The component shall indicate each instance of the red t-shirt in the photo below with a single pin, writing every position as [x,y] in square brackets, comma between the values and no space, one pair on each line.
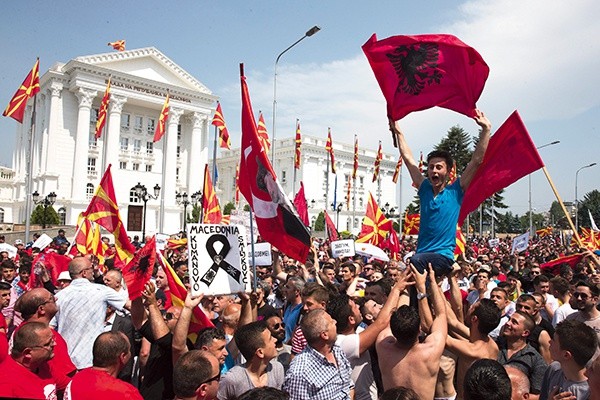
[92,384]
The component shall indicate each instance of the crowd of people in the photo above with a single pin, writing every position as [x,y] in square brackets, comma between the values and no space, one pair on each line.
[328,328]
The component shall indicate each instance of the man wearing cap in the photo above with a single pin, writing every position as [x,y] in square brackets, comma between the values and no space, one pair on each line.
[60,238]
[64,280]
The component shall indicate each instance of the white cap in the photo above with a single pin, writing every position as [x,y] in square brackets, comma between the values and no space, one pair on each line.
[64,276]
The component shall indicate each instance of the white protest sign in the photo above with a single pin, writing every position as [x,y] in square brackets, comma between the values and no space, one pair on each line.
[161,241]
[43,241]
[342,248]
[217,259]
[262,254]
[494,242]
[520,243]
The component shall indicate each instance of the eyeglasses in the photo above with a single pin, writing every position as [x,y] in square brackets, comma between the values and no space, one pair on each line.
[578,295]
[47,346]
[214,378]
[279,325]
[169,316]
[50,300]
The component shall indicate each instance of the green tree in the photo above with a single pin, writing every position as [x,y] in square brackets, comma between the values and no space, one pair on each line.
[591,202]
[247,207]
[557,216]
[44,216]
[195,216]
[228,207]
[320,222]
[458,143]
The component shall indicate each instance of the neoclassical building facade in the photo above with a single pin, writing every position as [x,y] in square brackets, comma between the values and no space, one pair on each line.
[69,161]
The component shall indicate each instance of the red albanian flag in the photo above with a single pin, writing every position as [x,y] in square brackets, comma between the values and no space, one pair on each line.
[139,270]
[423,71]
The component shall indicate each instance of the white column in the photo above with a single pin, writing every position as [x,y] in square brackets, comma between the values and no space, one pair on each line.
[112,146]
[195,160]
[169,221]
[50,137]
[78,185]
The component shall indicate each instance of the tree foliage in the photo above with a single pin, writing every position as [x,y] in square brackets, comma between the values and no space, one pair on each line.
[591,202]
[320,222]
[228,207]
[45,216]
[458,143]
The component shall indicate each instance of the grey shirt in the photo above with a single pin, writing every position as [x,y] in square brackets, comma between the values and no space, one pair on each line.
[554,377]
[236,381]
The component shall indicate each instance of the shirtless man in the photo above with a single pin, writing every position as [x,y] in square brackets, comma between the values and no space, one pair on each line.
[474,343]
[402,359]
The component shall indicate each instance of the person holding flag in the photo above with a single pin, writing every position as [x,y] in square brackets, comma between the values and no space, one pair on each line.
[440,201]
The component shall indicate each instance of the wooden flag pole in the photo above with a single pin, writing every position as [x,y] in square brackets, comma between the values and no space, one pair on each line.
[562,205]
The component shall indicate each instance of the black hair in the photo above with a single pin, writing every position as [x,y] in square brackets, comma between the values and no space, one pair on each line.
[248,338]
[404,324]
[441,154]
[207,335]
[486,379]
[339,309]
[488,314]
[577,338]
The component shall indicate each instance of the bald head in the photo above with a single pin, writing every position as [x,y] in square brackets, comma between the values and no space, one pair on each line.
[519,383]
[231,314]
[79,267]
[113,279]
[33,304]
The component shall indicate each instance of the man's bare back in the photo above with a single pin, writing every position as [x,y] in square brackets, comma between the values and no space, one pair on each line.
[415,368]
[469,353]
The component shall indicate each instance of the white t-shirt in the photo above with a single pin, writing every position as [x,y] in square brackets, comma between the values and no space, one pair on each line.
[362,373]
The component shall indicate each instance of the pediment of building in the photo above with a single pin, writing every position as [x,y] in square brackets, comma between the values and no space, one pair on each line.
[147,63]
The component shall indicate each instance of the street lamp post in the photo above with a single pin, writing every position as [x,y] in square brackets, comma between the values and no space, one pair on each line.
[142,193]
[182,199]
[577,201]
[337,208]
[390,213]
[47,201]
[529,178]
[308,33]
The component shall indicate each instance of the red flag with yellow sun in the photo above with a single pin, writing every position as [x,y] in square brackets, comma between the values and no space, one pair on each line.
[375,226]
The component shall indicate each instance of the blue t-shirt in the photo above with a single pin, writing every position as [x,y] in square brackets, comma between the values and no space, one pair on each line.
[290,319]
[439,215]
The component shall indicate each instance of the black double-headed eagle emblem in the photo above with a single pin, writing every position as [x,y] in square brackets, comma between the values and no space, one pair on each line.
[416,66]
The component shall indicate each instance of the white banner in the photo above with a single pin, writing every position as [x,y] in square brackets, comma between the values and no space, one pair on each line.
[262,254]
[342,248]
[161,241]
[494,242]
[520,243]
[42,242]
[217,259]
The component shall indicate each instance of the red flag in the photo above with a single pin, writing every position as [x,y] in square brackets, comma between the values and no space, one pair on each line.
[104,210]
[178,293]
[397,170]
[544,232]
[88,239]
[422,71]
[297,153]
[554,265]
[376,226]
[276,220]
[219,122]
[263,135]
[139,270]
[510,156]
[237,184]
[329,148]
[332,232]
[461,242]
[392,244]
[55,264]
[302,205]
[355,166]
[162,121]
[118,45]
[452,175]
[210,203]
[422,165]
[30,86]
[101,120]
[348,198]
[377,163]
[411,224]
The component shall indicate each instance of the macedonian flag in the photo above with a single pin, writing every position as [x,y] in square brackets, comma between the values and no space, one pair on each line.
[411,224]
[375,226]
[210,204]
[28,89]
[263,135]
[219,122]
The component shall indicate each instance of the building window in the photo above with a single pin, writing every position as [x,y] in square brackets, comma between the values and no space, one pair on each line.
[137,145]
[361,179]
[177,174]
[133,196]
[149,148]
[122,164]
[125,121]
[93,141]
[283,176]
[139,121]
[124,143]
[151,126]
[148,167]
[360,202]
[91,165]
[1,215]
[135,166]
[178,131]
[89,191]
[62,216]
[178,151]
[93,116]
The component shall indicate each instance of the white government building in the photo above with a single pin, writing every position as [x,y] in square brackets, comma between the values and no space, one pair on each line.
[68,161]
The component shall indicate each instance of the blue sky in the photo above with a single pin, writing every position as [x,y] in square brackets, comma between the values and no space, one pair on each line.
[543,58]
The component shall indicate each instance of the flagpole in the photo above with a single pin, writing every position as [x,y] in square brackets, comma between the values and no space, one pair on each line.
[255,280]
[562,205]
[354,205]
[29,181]
[327,184]
[75,237]
[214,168]
[201,215]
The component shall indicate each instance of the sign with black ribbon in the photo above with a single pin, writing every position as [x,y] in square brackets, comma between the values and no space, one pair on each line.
[217,259]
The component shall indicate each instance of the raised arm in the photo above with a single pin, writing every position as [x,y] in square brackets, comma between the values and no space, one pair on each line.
[423,304]
[368,337]
[179,343]
[157,323]
[439,328]
[406,154]
[477,158]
